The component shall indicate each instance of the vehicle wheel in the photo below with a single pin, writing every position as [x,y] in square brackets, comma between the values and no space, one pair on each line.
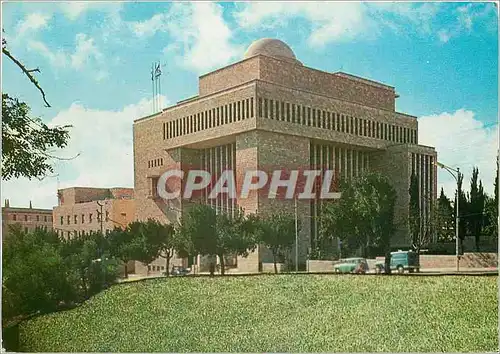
[410,270]
[337,270]
[401,270]
[378,270]
[418,270]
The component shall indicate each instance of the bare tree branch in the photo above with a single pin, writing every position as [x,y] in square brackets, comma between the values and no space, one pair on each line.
[33,70]
[27,72]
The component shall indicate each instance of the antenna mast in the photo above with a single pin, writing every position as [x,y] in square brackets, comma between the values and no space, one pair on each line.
[156,85]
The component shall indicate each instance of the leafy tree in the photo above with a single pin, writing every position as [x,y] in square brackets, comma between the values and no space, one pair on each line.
[365,214]
[126,245]
[203,231]
[34,274]
[444,219]
[158,241]
[476,207]
[277,232]
[27,142]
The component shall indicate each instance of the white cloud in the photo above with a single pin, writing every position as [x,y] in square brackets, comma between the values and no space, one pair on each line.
[104,141]
[329,21]
[74,9]
[57,59]
[461,141]
[200,37]
[147,28]
[85,52]
[86,55]
[444,35]
[33,22]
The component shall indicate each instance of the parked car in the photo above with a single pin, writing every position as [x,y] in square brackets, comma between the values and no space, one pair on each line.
[180,271]
[401,261]
[351,265]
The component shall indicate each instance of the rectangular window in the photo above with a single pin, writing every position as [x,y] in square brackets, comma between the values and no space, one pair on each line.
[329,120]
[283,111]
[342,129]
[309,116]
[338,122]
[83,218]
[288,112]
[251,107]
[38,218]
[107,215]
[293,113]
[277,110]
[260,107]
[324,120]
[76,219]
[238,117]
[14,217]
[266,115]
[25,217]
[271,109]
[298,114]
[62,220]
[313,117]
[45,218]
[90,218]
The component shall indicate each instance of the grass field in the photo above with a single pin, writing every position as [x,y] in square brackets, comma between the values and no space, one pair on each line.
[283,313]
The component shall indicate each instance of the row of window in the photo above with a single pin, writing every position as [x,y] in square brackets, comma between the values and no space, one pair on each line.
[156,268]
[290,112]
[75,233]
[211,118]
[75,219]
[155,162]
[46,218]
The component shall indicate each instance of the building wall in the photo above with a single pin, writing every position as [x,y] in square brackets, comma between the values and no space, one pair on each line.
[28,219]
[271,70]
[82,218]
[238,106]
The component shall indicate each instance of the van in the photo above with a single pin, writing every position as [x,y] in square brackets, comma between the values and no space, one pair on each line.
[401,261]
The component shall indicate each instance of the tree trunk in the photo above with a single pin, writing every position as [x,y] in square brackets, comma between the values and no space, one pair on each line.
[126,270]
[274,261]
[212,266]
[167,267]
[387,264]
[222,264]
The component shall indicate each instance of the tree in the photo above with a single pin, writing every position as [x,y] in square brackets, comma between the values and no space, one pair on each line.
[27,142]
[129,244]
[207,233]
[34,274]
[444,219]
[277,232]
[476,207]
[363,218]
[159,241]
[415,223]
[463,209]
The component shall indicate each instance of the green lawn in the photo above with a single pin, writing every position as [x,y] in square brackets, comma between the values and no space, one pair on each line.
[283,313]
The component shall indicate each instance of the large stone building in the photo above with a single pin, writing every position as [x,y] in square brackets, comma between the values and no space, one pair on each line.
[269,110]
[78,211]
[28,219]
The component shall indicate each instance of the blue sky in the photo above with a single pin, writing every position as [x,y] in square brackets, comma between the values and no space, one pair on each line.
[95,60]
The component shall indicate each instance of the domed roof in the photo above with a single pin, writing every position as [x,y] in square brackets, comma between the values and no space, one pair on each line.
[272,48]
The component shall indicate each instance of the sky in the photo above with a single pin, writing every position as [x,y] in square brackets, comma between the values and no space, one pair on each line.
[95,60]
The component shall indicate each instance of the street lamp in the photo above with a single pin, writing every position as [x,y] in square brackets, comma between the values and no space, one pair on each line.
[457,218]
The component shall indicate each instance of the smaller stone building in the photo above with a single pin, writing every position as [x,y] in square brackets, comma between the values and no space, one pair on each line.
[28,218]
[78,210]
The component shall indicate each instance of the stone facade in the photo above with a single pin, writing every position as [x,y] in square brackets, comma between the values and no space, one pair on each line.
[28,219]
[277,113]
[78,210]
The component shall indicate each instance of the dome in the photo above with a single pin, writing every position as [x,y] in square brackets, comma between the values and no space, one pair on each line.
[272,48]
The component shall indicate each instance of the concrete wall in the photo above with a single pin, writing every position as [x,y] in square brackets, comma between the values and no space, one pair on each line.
[468,260]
